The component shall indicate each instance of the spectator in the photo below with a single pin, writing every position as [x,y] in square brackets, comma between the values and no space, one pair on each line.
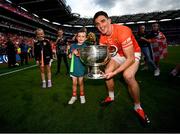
[11,53]
[91,39]
[24,52]
[158,43]
[145,48]
[61,49]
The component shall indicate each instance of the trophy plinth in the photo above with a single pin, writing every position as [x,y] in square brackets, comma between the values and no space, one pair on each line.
[95,73]
[94,57]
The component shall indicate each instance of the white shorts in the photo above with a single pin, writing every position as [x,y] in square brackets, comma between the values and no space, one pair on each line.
[121,59]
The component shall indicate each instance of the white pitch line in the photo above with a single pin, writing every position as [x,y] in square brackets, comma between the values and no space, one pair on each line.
[17,70]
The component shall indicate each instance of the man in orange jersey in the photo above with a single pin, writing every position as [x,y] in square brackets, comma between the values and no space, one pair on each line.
[126,60]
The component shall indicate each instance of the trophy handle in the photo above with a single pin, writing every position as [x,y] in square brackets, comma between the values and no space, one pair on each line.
[113,50]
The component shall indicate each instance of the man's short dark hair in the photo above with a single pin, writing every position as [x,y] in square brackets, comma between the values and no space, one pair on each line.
[99,14]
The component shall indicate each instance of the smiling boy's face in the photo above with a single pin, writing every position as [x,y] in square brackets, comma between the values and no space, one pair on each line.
[81,37]
[40,34]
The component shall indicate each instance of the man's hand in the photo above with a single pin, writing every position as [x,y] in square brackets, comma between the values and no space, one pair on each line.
[110,75]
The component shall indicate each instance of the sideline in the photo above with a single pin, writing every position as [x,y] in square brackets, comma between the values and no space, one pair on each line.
[17,70]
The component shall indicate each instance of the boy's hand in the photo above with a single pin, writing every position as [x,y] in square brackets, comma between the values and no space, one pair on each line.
[76,52]
[70,56]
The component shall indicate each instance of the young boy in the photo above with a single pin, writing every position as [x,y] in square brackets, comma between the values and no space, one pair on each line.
[43,56]
[77,69]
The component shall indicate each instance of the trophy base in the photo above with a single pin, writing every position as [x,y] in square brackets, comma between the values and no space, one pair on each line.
[94,76]
[95,73]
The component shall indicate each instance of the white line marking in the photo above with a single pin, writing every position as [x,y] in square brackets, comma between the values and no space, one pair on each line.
[17,70]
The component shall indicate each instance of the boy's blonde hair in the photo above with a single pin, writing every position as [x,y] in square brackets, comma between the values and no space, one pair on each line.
[38,29]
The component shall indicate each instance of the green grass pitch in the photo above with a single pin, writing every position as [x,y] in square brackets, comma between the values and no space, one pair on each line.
[26,107]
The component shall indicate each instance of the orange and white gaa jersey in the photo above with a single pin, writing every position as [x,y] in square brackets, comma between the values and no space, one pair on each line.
[122,37]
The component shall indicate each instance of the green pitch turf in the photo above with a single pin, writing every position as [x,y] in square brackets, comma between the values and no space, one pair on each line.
[26,107]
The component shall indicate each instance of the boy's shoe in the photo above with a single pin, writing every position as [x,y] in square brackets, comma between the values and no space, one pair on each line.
[49,84]
[82,99]
[43,84]
[157,72]
[142,116]
[107,101]
[72,100]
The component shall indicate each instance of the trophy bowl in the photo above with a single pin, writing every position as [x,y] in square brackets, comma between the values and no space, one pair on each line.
[95,56]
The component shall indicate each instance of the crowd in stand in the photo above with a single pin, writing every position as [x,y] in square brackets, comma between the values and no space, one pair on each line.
[15,26]
[21,12]
[16,40]
[13,44]
[15,10]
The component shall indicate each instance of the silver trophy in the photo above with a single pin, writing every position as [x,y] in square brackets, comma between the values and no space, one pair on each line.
[94,57]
